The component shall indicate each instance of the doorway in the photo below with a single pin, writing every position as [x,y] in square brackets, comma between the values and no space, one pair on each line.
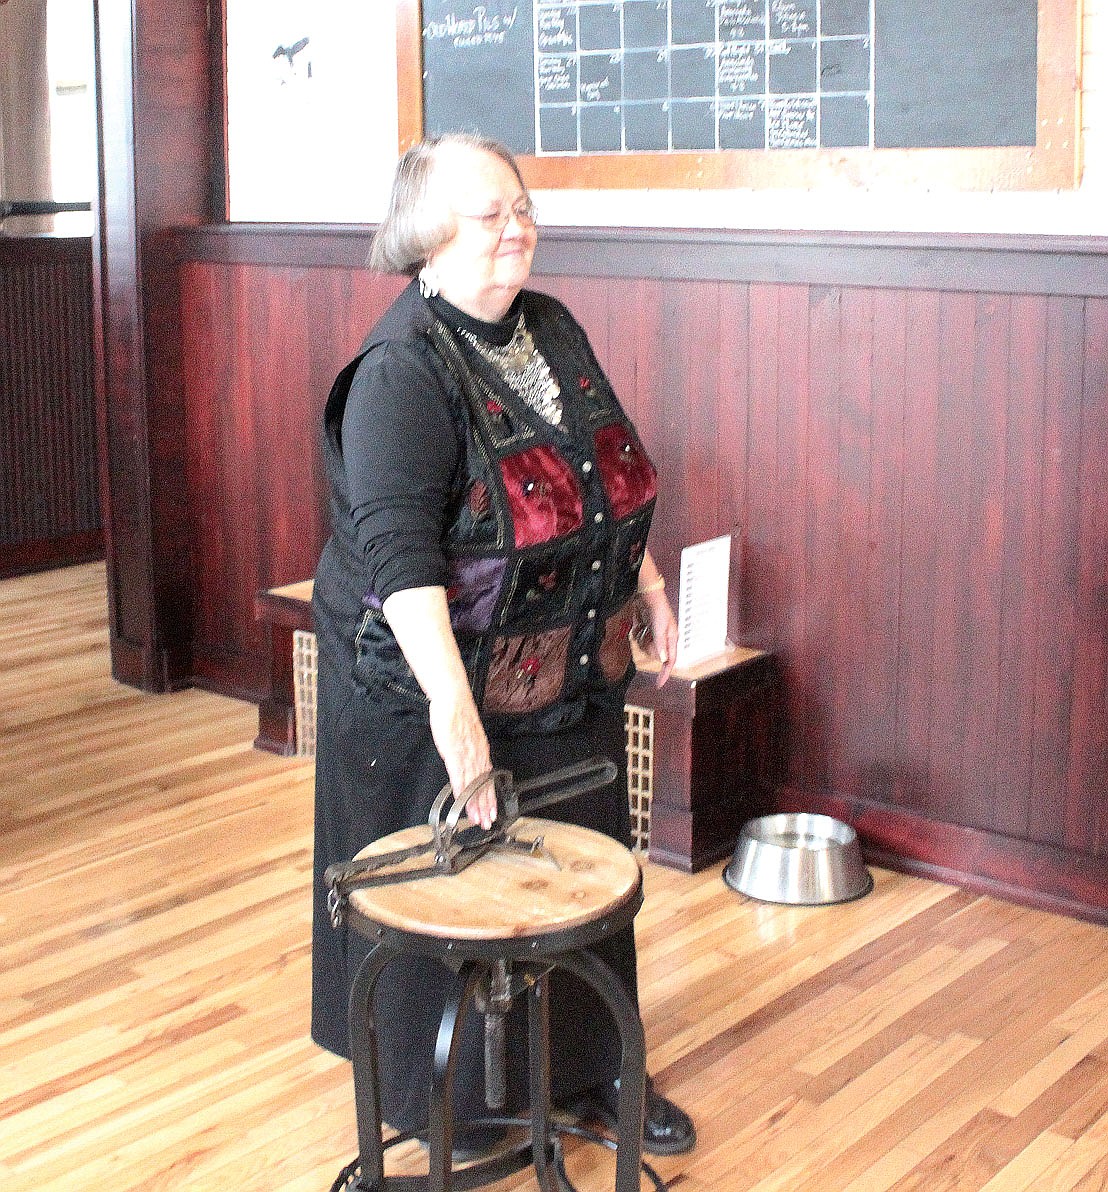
[49,490]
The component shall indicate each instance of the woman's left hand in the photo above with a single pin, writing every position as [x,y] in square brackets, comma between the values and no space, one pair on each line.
[661,641]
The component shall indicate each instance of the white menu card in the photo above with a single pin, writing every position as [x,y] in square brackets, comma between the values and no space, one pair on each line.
[702,607]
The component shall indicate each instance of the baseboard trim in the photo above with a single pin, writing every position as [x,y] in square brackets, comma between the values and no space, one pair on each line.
[45,554]
[1032,873]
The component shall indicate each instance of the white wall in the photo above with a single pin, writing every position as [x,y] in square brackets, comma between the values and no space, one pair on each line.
[350,166]
[297,152]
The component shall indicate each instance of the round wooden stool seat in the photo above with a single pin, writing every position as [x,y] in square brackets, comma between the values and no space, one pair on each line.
[519,915]
[505,895]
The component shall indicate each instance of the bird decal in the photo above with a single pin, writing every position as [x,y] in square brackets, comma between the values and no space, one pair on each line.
[290,52]
[285,56]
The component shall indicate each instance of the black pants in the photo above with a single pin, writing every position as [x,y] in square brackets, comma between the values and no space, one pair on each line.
[377,771]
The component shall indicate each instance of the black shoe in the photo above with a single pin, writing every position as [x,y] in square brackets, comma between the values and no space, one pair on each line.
[666,1130]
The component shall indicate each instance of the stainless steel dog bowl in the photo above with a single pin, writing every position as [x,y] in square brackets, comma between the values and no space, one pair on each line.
[799,859]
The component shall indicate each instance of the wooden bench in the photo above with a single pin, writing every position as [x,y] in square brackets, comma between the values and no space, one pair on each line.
[704,752]
[283,612]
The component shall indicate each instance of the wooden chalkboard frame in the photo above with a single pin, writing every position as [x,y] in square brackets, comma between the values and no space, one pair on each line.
[1053,163]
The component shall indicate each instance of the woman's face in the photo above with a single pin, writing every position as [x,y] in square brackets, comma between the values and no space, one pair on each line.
[482,267]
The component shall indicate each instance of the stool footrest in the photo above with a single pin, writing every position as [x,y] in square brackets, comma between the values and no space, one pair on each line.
[496,1166]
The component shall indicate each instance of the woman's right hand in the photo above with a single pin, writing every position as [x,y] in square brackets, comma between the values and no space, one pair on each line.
[464,748]
[420,619]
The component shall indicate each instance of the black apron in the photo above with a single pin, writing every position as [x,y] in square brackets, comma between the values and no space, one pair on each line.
[377,771]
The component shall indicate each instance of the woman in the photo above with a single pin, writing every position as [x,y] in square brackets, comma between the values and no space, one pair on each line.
[490,506]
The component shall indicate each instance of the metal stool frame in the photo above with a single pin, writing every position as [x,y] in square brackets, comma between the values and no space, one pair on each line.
[534,957]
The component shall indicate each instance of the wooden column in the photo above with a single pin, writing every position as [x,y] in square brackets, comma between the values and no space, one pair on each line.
[154,113]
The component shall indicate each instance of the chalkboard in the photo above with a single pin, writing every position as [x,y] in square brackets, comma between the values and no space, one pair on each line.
[949,74]
[479,72]
[604,79]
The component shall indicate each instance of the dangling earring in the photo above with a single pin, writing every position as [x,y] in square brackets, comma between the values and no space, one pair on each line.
[428,282]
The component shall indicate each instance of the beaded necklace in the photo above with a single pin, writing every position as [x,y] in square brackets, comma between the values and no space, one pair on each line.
[524,370]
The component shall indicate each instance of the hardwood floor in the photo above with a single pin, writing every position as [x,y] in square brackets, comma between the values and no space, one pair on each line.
[154,946]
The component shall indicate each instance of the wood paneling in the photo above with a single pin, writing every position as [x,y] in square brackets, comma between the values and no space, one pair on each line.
[914,474]
[49,495]
[258,491]
[1003,264]
[1085,806]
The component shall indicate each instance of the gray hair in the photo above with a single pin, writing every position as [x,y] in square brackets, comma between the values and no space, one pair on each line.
[416,224]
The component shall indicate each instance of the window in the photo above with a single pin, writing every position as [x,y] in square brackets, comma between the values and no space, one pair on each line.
[69,64]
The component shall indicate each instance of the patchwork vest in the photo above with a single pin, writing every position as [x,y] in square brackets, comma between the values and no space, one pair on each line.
[547,530]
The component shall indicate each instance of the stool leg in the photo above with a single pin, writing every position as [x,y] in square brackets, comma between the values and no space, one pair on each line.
[363,1057]
[440,1126]
[632,1072]
[538,1033]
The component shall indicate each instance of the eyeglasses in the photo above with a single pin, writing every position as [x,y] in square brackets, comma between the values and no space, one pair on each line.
[523,212]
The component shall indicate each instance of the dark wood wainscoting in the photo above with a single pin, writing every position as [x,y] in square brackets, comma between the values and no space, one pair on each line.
[49,495]
[907,436]
[261,348]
